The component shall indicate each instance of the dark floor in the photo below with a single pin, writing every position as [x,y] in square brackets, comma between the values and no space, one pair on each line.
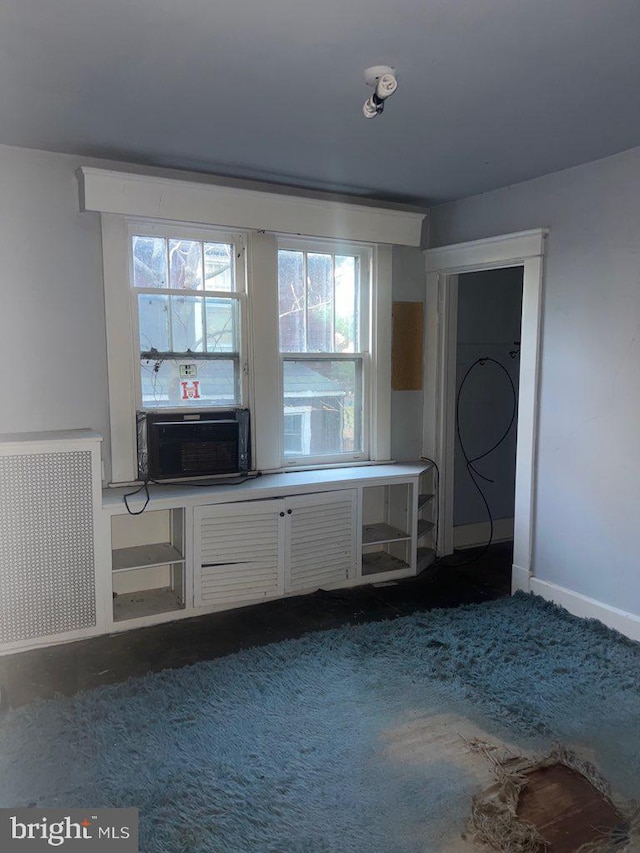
[78,666]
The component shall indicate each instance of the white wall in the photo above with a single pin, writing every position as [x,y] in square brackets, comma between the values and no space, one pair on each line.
[53,368]
[588,468]
[408,285]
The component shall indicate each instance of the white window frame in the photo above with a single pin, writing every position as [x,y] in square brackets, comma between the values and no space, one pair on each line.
[364,253]
[146,228]
[304,413]
[123,349]
[260,215]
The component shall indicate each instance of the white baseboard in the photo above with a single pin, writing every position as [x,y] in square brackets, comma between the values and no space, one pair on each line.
[470,535]
[580,605]
[520,579]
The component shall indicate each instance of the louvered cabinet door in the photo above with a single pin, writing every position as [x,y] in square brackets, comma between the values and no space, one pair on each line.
[321,540]
[239,553]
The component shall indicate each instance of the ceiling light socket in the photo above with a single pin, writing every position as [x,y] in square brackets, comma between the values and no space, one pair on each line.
[373,74]
[383,80]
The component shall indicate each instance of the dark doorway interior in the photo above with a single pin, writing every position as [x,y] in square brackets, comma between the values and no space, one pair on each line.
[487,381]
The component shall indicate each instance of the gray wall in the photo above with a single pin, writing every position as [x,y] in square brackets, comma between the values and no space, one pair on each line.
[489,314]
[588,457]
[408,285]
[53,364]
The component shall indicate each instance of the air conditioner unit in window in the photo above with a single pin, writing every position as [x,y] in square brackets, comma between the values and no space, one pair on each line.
[178,446]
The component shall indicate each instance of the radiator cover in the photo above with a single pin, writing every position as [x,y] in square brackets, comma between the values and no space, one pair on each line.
[47,568]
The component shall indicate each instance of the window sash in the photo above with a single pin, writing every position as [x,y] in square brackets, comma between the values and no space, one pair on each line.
[361,358]
[364,256]
[361,408]
[180,231]
[204,297]
[176,392]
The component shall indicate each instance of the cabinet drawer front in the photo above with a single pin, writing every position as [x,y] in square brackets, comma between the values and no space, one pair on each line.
[238,553]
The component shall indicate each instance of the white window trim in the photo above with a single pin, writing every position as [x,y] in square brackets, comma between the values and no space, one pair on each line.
[266,373]
[122,332]
[138,197]
[365,254]
[210,203]
[169,230]
[303,412]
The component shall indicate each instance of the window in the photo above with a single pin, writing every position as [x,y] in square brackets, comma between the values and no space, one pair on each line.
[296,329]
[297,434]
[323,310]
[188,304]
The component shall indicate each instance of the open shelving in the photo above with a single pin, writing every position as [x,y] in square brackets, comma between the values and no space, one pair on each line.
[148,577]
[387,529]
[426,528]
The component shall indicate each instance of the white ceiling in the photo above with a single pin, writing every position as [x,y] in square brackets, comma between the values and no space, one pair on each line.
[491,92]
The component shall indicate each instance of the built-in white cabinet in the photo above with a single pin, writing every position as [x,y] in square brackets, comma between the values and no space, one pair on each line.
[252,550]
[196,550]
[80,561]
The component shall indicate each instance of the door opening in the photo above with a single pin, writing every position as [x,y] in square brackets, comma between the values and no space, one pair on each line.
[489,309]
[444,266]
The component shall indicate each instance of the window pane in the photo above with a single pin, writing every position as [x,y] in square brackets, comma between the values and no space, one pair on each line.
[149,262]
[187,323]
[330,393]
[153,320]
[320,303]
[292,301]
[294,433]
[218,267]
[346,304]
[185,264]
[222,324]
[208,383]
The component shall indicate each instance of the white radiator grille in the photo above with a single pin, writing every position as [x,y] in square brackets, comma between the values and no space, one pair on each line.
[46,545]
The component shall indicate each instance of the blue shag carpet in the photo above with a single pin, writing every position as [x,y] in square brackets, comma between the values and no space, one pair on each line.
[286,747]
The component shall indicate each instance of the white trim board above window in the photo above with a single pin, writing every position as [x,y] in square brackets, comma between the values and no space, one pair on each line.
[106,191]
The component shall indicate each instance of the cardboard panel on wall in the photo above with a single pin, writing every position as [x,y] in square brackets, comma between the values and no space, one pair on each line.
[406,353]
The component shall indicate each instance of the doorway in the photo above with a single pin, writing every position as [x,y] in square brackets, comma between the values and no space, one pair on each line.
[444,266]
[489,309]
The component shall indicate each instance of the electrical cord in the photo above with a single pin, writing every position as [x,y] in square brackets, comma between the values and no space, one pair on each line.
[469,462]
[126,497]
[206,485]
[202,484]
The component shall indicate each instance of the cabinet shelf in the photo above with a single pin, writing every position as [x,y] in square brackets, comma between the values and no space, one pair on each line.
[380,562]
[145,556]
[424,499]
[134,605]
[380,533]
[424,527]
[426,556]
